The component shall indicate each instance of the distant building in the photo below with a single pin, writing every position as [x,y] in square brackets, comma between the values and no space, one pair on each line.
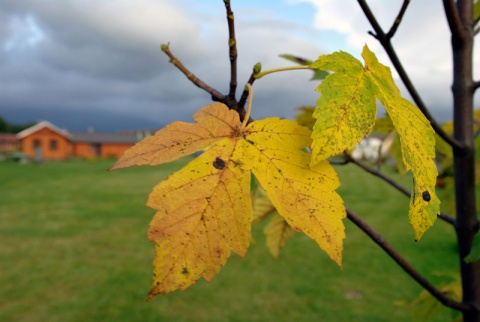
[9,143]
[372,148]
[45,141]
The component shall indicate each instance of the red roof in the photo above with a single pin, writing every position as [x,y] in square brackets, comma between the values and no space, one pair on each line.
[6,138]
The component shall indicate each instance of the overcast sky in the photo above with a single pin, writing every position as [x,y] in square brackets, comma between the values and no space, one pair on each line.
[82,63]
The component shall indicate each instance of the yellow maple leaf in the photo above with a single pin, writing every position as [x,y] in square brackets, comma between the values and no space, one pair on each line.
[277,231]
[346,113]
[417,141]
[204,210]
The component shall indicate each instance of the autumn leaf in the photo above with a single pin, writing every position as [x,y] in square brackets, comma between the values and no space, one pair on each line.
[476,11]
[204,210]
[277,231]
[346,113]
[305,116]
[385,125]
[346,109]
[262,207]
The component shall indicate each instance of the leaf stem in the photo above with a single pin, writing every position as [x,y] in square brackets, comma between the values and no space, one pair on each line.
[249,106]
[281,69]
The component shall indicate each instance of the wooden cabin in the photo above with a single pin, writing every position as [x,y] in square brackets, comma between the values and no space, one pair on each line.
[45,141]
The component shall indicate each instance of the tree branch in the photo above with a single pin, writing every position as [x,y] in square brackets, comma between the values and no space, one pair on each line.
[216,95]
[387,45]
[232,44]
[380,175]
[394,184]
[453,19]
[398,20]
[476,85]
[406,266]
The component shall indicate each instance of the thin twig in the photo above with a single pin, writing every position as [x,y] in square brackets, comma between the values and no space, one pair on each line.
[387,45]
[406,266]
[216,95]
[232,44]
[398,20]
[345,161]
[394,184]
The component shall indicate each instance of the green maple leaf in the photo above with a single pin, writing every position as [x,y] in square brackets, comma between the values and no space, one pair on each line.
[346,112]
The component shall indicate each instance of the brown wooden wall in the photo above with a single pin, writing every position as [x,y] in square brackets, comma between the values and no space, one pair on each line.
[48,143]
[101,150]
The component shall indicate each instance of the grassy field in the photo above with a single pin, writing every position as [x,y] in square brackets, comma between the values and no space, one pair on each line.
[73,248]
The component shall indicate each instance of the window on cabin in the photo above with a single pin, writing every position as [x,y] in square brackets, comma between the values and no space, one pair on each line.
[36,144]
[53,145]
[96,148]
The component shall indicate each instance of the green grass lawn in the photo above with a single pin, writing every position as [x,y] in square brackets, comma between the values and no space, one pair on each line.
[73,248]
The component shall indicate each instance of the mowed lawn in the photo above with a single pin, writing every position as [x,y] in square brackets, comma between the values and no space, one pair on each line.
[73,248]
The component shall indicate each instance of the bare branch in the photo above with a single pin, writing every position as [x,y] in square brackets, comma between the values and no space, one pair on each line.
[476,85]
[232,44]
[398,20]
[406,266]
[216,95]
[343,161]
[387,45]
[446,218]
[380,175]
[453,18]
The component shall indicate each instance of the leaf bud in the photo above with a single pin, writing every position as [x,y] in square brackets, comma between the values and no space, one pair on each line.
[164,47]
[257,68]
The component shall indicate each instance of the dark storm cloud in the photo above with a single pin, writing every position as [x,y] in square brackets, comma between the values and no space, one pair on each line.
[103,57]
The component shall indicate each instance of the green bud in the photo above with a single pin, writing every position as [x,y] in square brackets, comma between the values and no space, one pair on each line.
[164,47]
[257,68]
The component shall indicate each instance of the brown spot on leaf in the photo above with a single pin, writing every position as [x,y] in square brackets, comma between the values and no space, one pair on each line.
[219,164]
[426,196]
